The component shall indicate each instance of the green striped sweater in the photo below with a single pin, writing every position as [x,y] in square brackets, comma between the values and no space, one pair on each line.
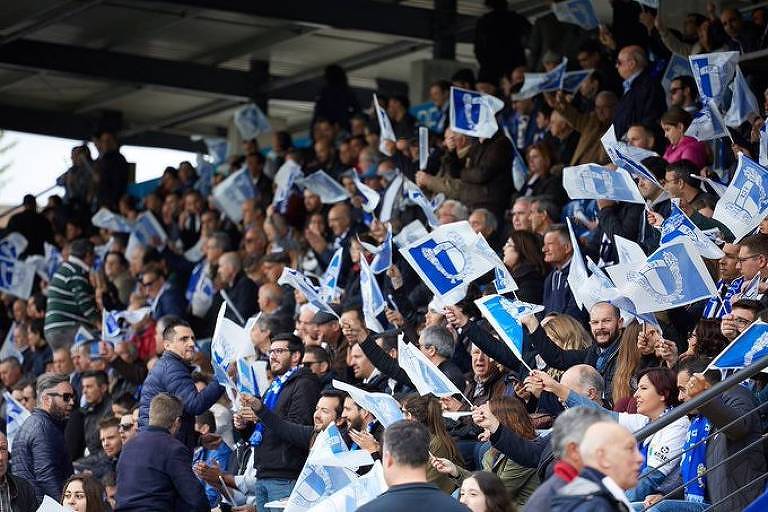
[71,298]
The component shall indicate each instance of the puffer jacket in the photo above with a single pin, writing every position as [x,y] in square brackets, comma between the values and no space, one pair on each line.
[40,455]
[173,375]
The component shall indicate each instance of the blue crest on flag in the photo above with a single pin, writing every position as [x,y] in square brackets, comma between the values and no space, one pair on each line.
[12,246]
[218,149]
[707,123]
[473,113]
[251,121]
[713,72]
[576,12]
[749,347]
[442,262]
[745,202]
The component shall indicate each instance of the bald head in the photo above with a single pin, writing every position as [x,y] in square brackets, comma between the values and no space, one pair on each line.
[605,106]
[229,266]
[339,218]
[270,296]
[631,60]
[584,380]
[611,449]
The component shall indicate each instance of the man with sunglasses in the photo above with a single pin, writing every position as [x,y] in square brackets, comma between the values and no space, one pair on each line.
[39,453]
[164,299]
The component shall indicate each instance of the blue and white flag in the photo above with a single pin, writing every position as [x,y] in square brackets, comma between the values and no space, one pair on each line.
[373,300]
[110,328]
[624,160]
[501,314]
[251,122]
[572,79]
[386,132]
[299,281]
[383,407]
[230,341]
[744,104]
[392,197]
[370,196]
[15,415]
[576,12]
[410,233]
[678,225]
[231,193]
[713,72]
[106,219]
[503,280]
[361,491]
[473,113]
[763,159]
[616,149]
[12,245]
[251,377]
[448,260]
[326,470]
[745,202]
[718,187]
[577,270]
[16,277]
[749,347]
[285,181]
[677,66]
[413,193]
[329,190]
[708,123]
[53,259]
[424,375]
[202,296]
[674,275]
[629,251]
[752,289]
[147,228]
[519,167]
[82,336]
[329,284]
[536,83]
[218,149]
[592,181]
[382,258]
[10,349]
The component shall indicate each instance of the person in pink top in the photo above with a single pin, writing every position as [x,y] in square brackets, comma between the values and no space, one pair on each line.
[682,147]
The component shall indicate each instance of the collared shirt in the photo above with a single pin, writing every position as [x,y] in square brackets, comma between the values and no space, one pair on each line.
[153,303]
[627,84]
[616,491]
[375,373]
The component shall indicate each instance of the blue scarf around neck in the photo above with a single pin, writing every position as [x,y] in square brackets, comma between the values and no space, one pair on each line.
[270,401]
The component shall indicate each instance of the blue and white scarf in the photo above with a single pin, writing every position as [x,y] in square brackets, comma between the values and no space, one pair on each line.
[270,401]
[694,462]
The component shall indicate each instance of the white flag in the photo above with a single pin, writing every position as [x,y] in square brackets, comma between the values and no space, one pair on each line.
[745,202]
[423,373]
[386,132]
[591,181]
[229,342]
[577,271]
[15,415]
[231,193]
[329,190]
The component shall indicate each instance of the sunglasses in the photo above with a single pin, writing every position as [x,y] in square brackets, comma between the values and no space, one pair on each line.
[67,397]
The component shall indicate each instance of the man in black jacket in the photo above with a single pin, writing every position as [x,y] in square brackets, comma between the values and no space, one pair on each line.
[39,455]
[643,100]
[291,396]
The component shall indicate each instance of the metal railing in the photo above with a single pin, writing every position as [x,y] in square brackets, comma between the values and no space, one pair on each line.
[691,405]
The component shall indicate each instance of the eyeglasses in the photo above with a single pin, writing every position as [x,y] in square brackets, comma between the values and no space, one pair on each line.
[67,397]
[125,427]
[742,322]
[278,351]
[747,258]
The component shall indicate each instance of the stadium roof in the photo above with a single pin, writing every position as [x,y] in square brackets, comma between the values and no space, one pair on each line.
[161,71]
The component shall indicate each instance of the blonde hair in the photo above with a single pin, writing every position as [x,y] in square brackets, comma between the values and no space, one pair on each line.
[567,333]
[627,361]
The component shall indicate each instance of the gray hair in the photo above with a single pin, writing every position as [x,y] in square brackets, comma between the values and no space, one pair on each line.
[589,377]
[438,337]
[49,381]
[221,239]
[490,219]
[571,425]
[458,209]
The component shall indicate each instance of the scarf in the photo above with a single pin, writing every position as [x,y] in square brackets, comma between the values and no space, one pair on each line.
[270,401]
[565,471]
[607,354]
[694,461]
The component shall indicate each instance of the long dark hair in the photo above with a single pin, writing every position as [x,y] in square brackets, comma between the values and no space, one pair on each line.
[427,411]
[496,496]
[95,495]
[528,245]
